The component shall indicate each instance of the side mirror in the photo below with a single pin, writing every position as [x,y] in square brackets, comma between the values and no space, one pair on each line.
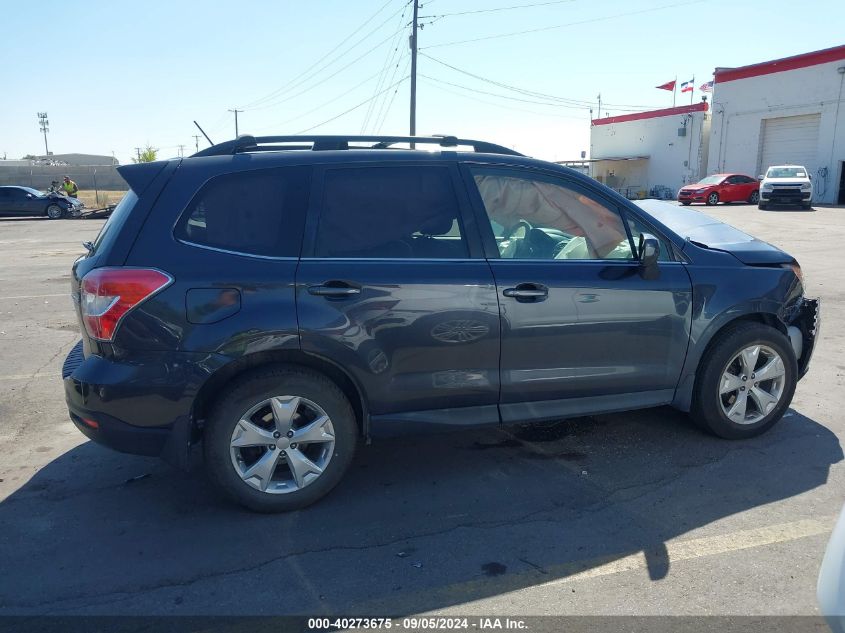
[649,252]
[760,177]
[810,176]
[29,195]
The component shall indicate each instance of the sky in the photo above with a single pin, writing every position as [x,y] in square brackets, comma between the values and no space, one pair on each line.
[114,76]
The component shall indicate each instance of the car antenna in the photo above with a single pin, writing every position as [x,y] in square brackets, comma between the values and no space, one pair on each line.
[210,142]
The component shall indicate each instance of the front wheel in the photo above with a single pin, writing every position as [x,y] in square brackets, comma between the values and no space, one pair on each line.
[54,212]
[762,206]
[280,439]
[745,381]
[713,199]
[755,196]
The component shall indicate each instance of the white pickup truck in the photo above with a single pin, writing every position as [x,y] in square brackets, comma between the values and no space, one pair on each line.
[786,184]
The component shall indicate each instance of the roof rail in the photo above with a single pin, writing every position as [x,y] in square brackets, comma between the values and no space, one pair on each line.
[249,143]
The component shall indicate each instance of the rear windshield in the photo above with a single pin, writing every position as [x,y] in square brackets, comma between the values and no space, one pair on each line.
[786,172]
[112,226]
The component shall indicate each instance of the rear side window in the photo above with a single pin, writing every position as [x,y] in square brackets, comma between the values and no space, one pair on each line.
[260,212]
[390,212]
[116,220]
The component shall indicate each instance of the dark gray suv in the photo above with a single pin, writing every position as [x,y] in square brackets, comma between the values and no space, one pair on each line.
[280,298]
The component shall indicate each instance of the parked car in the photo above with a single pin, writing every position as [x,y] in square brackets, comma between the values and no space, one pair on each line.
[830,590]
[22,201]
[721,188]
[786,184]
[277,299]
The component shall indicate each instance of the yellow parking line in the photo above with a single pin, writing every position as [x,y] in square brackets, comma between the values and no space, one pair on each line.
[459,595]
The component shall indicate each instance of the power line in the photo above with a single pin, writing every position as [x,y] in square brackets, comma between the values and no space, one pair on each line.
[494,94]
[353,108]
[323,81]
[499,105]
[385,71]
[560,26]
[383,117]
[327,102]
[293,83]
[565,101]
[496,9]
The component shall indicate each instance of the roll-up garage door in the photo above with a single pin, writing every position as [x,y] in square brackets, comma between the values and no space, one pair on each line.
[790,140]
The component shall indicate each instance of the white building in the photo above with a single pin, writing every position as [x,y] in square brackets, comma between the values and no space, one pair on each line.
[651,153]
[783,111]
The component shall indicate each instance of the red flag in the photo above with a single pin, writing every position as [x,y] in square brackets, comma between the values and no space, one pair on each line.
[669,85]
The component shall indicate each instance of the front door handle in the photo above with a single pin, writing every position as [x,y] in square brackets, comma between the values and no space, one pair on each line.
[527,291]
[336,289]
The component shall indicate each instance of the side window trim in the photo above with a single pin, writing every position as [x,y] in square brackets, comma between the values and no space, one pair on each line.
[491,250]
[467,219]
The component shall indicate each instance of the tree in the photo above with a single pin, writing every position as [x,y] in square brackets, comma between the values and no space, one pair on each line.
[148,155]
[29,157]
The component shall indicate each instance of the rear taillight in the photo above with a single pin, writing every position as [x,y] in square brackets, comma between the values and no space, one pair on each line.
[108,294]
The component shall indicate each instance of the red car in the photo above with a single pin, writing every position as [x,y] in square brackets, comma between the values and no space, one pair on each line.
[721,188]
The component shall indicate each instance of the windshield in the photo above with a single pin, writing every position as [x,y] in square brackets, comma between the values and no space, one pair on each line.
[786,172]
[711,180]
[34,192]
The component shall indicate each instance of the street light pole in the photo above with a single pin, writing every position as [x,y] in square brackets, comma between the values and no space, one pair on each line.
[43,123]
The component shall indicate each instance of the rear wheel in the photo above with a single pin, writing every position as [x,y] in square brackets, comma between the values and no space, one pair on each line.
[54,212]
[280,439]
[713,199]
[745,382]
[755,196]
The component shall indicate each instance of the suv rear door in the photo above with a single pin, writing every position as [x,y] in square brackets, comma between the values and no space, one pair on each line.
[393,287]
[583,330]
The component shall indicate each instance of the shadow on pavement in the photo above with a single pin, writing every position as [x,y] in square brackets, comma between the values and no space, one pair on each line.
[419,523]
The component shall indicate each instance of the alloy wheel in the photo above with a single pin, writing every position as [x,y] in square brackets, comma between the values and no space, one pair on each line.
[752,384]
[282,444]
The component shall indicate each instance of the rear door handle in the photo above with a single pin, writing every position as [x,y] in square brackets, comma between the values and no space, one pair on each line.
[527,291]
[334,289]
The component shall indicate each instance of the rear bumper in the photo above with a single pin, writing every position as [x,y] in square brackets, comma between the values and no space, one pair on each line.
[140,405]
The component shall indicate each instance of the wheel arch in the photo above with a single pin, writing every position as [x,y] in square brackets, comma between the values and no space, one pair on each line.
[214,387]
[686,385]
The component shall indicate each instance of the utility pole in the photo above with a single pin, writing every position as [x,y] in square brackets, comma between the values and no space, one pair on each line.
[181,151]
[414,48]
[235,110]
[138,151]
[599,98]
[43,123]
[197,141]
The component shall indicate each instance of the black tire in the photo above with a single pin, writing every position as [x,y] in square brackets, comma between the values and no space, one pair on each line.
[712,199]
[707,406]
[252,389]
[686,204]
[762,206]
[807,207]
[54,212]
[755,197]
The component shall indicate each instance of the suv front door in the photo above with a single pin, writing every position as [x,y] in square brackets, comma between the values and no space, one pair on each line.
[393,287]
[583,328]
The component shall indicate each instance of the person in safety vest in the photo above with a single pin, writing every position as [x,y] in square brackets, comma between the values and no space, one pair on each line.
[70,187]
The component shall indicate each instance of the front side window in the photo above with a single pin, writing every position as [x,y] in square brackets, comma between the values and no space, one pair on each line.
[390,212]
[535,217]
[260,212]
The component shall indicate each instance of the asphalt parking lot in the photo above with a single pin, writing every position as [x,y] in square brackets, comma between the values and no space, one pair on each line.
[636,513]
